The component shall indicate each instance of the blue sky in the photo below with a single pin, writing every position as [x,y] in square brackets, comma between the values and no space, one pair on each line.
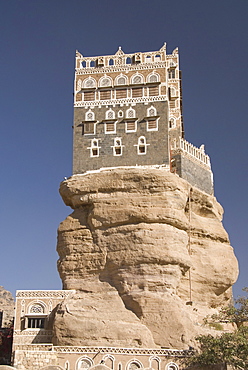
[38,39]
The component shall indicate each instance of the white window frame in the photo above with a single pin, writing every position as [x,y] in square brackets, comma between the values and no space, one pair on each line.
[152,129]
[140,144]
[91,147]
[153,74]
[110,132]
[117,146]
[102,79]
[89,87]
[110,111]
[135,75]
[135,124]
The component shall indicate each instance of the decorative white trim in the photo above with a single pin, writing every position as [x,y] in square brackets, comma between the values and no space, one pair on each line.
[44,293]
[149,77]
[127,101]
[94,146]
[89,82]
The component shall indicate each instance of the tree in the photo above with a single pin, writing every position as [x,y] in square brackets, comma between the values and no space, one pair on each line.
[228,348]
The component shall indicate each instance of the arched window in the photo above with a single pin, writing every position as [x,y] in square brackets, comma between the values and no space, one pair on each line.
[110,114]
[94,148]
[153,77]
[157,58]
[151,112]
[172,92]
[89,116]
[37,308]
[84,64]
[117,148]
[89,82]
[111,62]
[172,366]
[128,60]
[92,63]
[137,79]
[130,113]
[142,145]
[121,80]
[120,114]
[35,319]
[148,58]
[154,362]
[105,81]
[134,365]
[84,363]
[67,365]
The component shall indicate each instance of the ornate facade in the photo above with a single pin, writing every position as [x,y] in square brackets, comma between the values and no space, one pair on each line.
[128,112]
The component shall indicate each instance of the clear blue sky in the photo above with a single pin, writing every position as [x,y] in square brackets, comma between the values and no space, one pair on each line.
[38,39]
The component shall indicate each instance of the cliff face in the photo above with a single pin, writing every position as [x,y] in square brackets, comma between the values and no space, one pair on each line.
[7,305]
[148,256]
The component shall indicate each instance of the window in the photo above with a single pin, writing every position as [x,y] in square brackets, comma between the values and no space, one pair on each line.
[134,365]
[128,61]
[121,93]
[172,122]
[152,124]
[117,148]
[89,116]
[36,323]
[148,58]
[131,126]
[89,82]
[89,95]
[110,127]
[137,92]
[105,94]
[94,148]
[89,128]
[172,92]
[171,73]
[137,79]
[130,113]
[111,62]
[84,364]
[141,147]
[153,90]
[157,58]
[153,77]
[172,366]
[172,104]
[84,64]
[92,63]
[151,112]
[110,114]
[120,114]
[121,80]
[105,81]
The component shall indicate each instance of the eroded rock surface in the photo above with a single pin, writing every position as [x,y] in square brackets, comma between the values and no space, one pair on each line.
[145,238]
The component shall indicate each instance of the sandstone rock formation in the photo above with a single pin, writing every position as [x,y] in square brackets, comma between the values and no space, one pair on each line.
[148,255]
[7,305]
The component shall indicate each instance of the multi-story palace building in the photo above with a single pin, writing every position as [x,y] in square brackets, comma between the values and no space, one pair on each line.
[128,112]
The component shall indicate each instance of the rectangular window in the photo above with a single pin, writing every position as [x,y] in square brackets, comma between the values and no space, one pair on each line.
[137,92]
[89,128]
[89,95]
[121,93]
[152,124]
[153,91]
[172,104]
[172,73]
[105,94]
[109,127]
[36,323]
[131,126]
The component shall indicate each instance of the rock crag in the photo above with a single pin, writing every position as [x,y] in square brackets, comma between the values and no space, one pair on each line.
[7,305]
[148,256]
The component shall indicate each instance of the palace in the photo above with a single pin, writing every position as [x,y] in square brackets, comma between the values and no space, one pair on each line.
[128,112]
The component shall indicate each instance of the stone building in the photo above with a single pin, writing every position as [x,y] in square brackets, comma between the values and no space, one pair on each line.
[133,252]
[128,112]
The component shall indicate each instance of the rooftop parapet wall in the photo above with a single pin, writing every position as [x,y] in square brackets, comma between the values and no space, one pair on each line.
[189,149]
[130,59]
